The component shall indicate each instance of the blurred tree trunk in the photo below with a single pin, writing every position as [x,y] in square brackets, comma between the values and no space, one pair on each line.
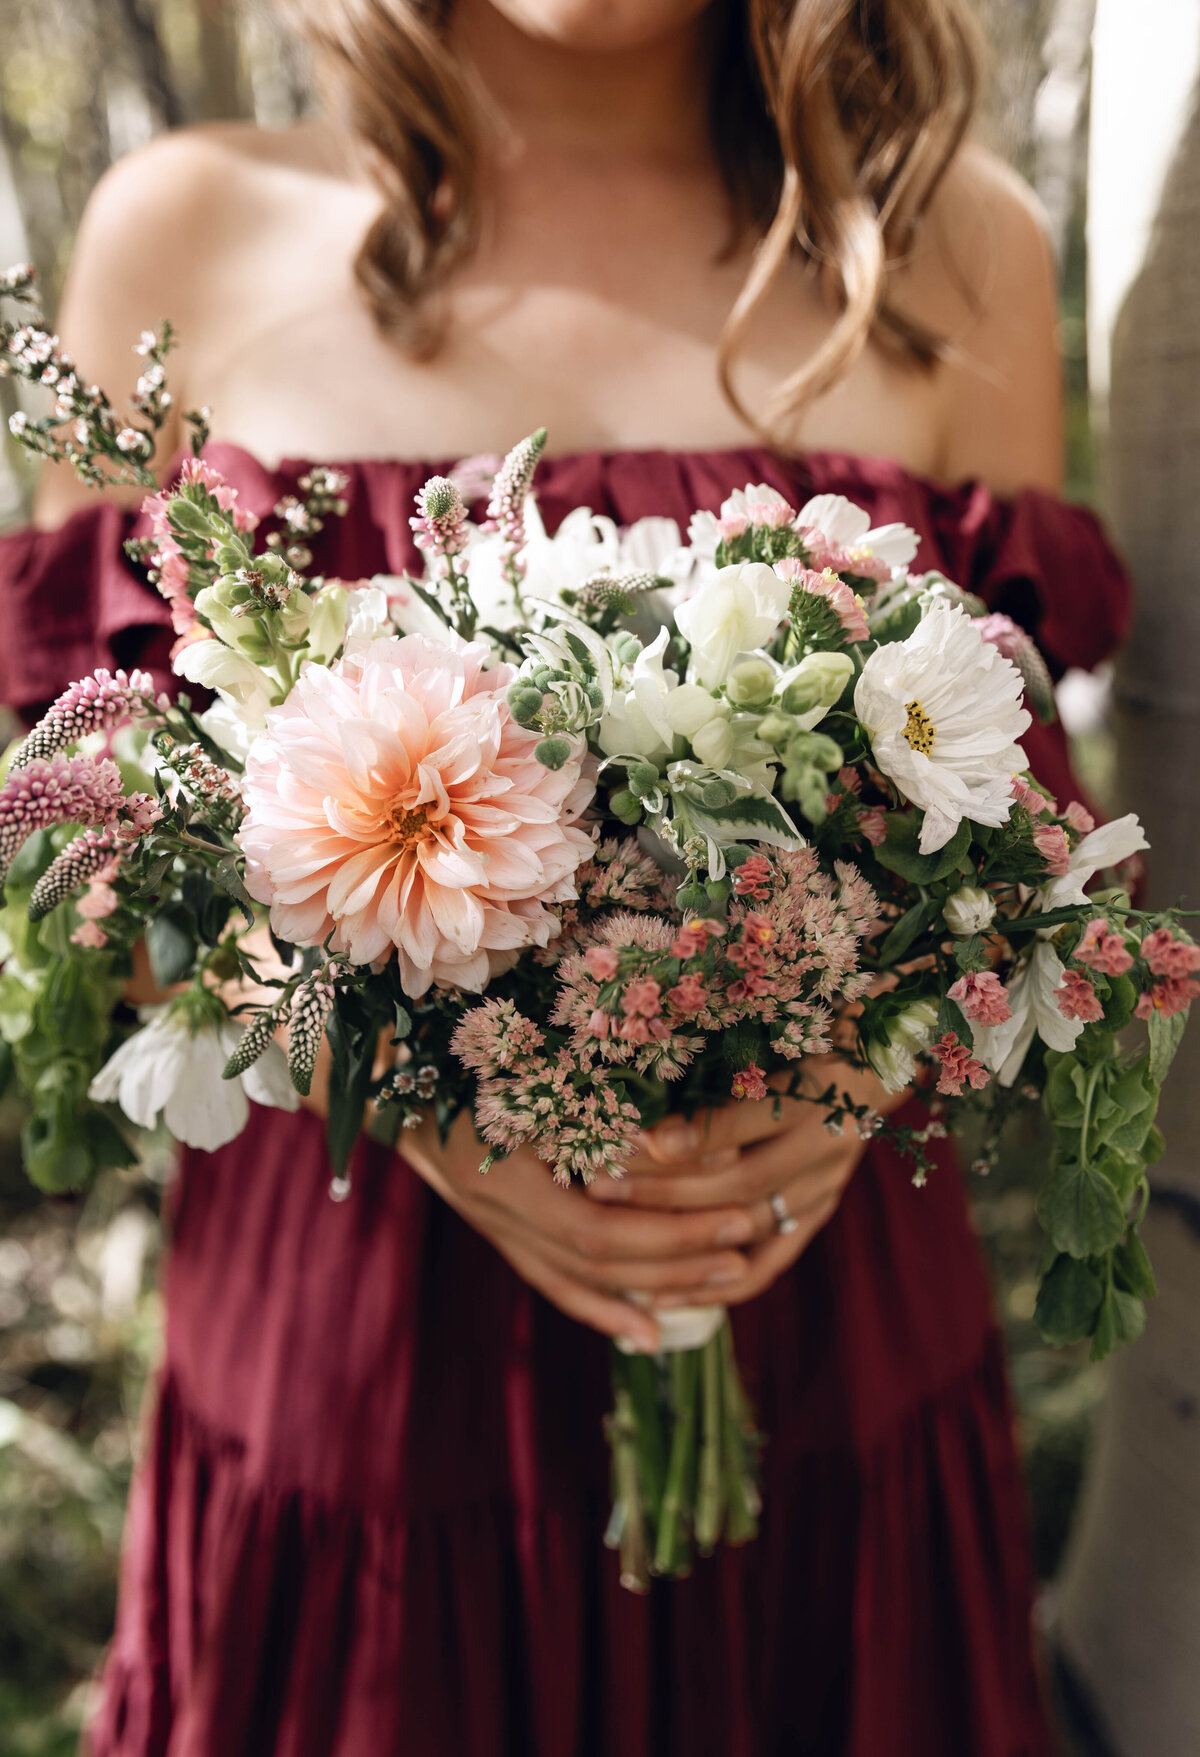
[1129,1611]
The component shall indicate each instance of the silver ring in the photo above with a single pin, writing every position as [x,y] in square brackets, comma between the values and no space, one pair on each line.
[785,1220]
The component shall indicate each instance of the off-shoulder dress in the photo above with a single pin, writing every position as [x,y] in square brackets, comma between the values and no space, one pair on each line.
[369,1515]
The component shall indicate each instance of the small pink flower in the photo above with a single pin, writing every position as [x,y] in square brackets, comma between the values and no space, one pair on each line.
[600,1023]
[873,824]
[957,1065]
[1168,956]
[732,525]
[982,997]
[602,962]
[753,878]
[1101,949]
[837,594]
[98,901]
[642,998]
[749,1082]
[1168,997]
[89,934]
[634,1030]
[1035,803]
[694,936]
[1077,999]
[1050,840]
[1079,818]
[688,994]
[757,930]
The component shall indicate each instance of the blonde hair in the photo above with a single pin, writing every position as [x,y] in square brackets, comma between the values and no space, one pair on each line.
[833,122]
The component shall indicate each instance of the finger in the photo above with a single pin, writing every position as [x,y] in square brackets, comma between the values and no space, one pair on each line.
[644,1168]
[716,1131]
[752,1177]
[602,1235]
[645,1275]
[765,1263]
[611,1316]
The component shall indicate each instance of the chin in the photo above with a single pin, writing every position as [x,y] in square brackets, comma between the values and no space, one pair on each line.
[601,25]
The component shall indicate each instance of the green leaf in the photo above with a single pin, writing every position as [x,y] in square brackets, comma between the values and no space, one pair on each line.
[1026,924]
[16,1008]
[106,1144]
[1118,1008]
[171,950]
[751,817]
[901,852]
[1131,1268]
[155,873]
[904,932]
[1068,1301]
[951,1018]
[1122,1319]
[349,1084]
[1081,1211]
[229,880]
[31,861]
[1165,1038]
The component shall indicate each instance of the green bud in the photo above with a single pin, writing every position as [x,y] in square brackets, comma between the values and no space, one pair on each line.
[718,792]
[719,892]
[525,701]
[736,854]
[626,647]
[693,898]
[552,753]
[626,806]
[750,681]
[644,778]
[776,728]
[816,682]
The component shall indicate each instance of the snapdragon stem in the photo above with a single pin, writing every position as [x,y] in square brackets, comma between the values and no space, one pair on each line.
[710,1498]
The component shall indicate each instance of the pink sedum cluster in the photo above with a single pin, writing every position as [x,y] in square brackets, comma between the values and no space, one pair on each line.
[394,803]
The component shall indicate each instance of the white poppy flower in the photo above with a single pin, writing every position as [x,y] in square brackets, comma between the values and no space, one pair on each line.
[1108,846]
[1034,1012]
[170,1068]
[943,713]
[847,526]
[736,611]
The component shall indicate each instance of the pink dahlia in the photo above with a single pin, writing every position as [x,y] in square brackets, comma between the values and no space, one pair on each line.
[393,801]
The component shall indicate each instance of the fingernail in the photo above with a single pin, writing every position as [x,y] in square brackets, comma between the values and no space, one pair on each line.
[737,1231]
[725,1277]
[610,1189]
[675,1139]
[634,1345]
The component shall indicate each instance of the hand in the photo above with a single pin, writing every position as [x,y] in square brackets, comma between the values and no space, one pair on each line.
[581,1255]
[743,1154]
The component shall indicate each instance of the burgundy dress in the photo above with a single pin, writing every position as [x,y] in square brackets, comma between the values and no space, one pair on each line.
[369,1517]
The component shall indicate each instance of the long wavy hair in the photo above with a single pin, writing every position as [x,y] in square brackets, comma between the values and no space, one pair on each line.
[833,121]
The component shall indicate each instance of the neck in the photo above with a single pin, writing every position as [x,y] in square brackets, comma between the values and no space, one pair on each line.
[648,101]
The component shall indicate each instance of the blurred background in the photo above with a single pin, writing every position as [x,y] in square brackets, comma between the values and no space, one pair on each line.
[85,81]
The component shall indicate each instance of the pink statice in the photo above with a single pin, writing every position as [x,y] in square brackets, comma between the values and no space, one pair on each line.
[393,802]
[1168,956]
[824,583]
[1035,803]
[1103,950]
[94,704]
[982,997]
[1078,818]
[1171,995]
[1077,999]
[63,790]
[753,877]
[1050,840]
[749,1082]
[957,1066]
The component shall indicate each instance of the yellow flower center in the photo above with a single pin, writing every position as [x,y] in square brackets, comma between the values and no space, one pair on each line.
[919,728]
[408,826]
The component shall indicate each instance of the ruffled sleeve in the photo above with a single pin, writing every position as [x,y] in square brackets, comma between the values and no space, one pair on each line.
[1047,564]
[69,601]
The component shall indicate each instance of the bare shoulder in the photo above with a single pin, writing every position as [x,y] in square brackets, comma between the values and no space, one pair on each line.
[984,279]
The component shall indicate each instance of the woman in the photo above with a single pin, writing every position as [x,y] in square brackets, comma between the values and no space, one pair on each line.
[704,244]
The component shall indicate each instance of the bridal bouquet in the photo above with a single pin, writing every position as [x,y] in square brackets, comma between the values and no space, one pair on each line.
[572,832]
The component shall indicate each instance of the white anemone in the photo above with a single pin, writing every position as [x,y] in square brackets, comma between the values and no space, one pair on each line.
[943,712]
[170,1068]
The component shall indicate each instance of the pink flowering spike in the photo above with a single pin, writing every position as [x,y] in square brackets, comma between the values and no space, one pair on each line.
[749,1082]
[440,526]
[94,704]
[1050,840]
[506,508]
[982,997]
[311,1006]
[65,790]
[87,855]
[393,802]
[1077,999]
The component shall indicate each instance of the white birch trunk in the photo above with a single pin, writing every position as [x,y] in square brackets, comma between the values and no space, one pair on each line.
[1128,1612]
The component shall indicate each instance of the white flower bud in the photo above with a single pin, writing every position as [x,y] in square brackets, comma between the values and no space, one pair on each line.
[969,910]
[751,681]
[911,1031]
[713,744]
[814,685]
[327,626]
